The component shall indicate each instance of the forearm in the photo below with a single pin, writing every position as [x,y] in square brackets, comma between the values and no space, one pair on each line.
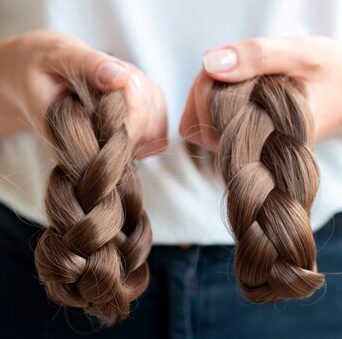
[11,119]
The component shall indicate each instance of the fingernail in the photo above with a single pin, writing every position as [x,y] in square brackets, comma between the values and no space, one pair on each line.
[108,72]
[222,60]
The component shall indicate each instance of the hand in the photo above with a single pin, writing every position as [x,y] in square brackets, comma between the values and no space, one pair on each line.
[316,62]
[33,65]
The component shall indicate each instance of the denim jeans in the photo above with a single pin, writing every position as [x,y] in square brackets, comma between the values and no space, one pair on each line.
[192,295]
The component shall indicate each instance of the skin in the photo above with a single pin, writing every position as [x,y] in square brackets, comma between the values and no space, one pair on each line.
[32,67]
[32,64]
[316,62]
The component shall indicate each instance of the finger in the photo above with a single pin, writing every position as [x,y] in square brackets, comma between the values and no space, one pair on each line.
[196,124]
[151,148]
[189,126]
[102,70]
[246,59]
[155,125]
[208,134]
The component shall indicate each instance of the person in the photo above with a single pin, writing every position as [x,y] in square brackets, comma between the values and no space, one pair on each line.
[134,45]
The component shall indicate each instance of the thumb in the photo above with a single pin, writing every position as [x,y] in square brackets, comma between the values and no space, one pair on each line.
[100,69]
[110,75]
[248,58]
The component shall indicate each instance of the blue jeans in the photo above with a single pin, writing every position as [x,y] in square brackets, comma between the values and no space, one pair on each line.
[192,295]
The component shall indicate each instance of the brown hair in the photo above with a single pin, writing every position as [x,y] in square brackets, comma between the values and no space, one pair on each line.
[93,254]
[271,178]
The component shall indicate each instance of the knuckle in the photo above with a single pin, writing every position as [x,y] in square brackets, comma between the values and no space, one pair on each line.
[316,48]
[57,45]
[55,48]
[257,49]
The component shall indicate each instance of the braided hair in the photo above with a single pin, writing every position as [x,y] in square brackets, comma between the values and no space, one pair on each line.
[271,178]
[93,254]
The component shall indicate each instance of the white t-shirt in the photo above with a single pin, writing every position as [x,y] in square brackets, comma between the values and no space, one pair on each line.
[166,39]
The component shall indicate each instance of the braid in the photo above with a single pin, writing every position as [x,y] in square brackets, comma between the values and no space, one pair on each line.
[271,178]
[93,254]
